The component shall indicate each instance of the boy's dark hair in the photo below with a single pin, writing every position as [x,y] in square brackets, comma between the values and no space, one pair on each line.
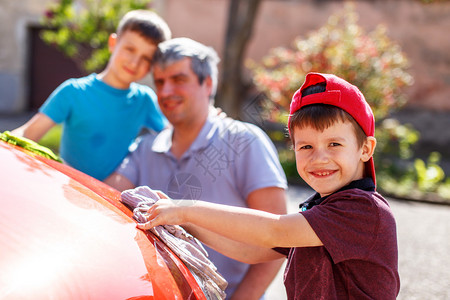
[322,116]
[147,23]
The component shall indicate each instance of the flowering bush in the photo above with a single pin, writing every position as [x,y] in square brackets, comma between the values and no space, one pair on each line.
[370,61]
[81,31]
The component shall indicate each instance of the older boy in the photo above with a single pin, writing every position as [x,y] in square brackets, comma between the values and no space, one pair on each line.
[342,244]
[103,113]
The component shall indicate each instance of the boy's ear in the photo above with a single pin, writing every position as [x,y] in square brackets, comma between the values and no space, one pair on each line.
[112,40]
[368,148]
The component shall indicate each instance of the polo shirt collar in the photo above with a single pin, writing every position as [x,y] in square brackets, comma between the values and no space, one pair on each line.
[163,141]
[365,184]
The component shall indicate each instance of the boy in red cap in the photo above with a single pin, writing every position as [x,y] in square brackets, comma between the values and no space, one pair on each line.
[343,243]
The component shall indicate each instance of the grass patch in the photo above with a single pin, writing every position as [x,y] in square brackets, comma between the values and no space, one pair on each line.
[52,139]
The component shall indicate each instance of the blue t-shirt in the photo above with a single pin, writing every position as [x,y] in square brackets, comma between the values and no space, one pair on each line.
[100,122]
[227,161]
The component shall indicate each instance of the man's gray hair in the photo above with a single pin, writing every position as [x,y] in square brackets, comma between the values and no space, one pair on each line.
[204,59]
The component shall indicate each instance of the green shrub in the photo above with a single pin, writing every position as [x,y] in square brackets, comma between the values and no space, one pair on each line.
[81,31]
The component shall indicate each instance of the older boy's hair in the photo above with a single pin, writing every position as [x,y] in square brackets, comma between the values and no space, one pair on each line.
[204,59]
[147,23]
[322,116]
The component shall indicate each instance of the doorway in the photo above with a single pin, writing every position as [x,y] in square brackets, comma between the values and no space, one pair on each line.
[47,69]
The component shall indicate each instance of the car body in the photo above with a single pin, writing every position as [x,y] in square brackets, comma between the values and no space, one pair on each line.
[66,235]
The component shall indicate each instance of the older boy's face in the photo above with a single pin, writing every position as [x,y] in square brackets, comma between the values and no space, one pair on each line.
[329,160]
[130,61]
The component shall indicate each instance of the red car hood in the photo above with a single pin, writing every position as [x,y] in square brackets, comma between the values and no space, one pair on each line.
[68,237]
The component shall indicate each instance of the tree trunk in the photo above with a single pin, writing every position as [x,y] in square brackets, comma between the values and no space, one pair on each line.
[241,17]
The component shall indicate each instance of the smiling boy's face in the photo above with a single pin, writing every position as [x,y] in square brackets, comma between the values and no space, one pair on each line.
[130,61]
[330,159]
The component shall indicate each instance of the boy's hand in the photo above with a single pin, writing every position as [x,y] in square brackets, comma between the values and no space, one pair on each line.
[165,212]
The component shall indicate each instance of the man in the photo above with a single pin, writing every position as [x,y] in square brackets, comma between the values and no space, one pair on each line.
[205,156]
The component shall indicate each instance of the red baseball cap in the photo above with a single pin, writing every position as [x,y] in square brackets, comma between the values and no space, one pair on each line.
[342,94]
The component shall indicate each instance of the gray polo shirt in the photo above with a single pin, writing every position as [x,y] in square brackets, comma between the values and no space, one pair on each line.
[228,160]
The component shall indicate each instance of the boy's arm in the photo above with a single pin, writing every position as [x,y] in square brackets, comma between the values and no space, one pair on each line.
[244,225]
[35,128]
[251,231]
[236,250]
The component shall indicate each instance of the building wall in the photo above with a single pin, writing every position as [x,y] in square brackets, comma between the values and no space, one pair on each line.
[15,16]
[420,29]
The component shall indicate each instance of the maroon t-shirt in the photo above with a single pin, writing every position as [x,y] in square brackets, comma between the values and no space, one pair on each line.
[359,258]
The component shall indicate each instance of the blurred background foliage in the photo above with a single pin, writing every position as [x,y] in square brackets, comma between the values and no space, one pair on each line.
[82,31]
[375,64]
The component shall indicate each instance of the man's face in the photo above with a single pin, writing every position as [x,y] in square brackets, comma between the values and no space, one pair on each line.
[181,97]
[130,61]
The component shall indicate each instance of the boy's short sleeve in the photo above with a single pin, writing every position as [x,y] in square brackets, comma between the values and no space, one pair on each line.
[282,250]
[155,119]
[346,218]
[58,105]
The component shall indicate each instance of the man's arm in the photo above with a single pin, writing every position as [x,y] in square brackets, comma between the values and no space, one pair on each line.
[239,251]
[259,276]
[119,182]
[35,128]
